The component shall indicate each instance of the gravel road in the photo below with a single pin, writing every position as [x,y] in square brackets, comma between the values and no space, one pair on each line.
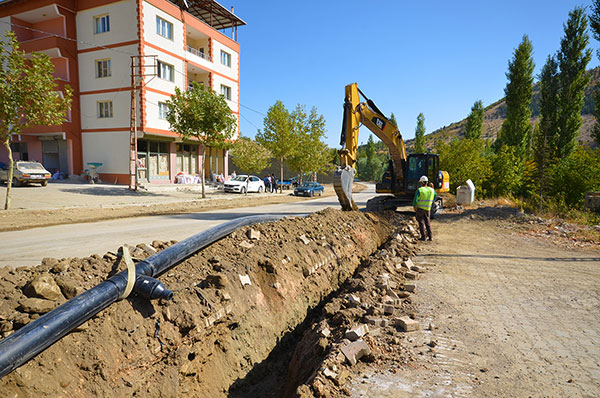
[512,316]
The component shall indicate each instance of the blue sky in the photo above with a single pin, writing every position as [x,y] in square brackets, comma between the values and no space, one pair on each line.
[434,56]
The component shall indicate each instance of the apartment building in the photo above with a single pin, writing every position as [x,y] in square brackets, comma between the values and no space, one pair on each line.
[91,44]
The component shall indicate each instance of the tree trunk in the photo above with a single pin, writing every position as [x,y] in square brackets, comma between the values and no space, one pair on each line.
[281,179]
[202,172]
[10,173]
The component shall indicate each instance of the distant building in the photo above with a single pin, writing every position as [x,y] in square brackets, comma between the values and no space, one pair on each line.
[91,43]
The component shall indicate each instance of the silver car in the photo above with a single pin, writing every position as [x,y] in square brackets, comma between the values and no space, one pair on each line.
[26,172]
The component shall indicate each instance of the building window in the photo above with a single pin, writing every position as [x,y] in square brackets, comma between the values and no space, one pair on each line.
[163,109]
[103,68]
[226,92]
[105,109]
[165,71]
[225,58]
[164,28]
[101,24]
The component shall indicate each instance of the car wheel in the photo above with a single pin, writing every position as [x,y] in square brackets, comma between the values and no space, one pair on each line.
[320,193]
[243,190]
[45,183]
[15,182]
[260,189]
[312,193]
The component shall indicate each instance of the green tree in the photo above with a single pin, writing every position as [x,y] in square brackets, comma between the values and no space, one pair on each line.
[368,163]
[575,175]
[201,114]
[310,155]
[595,26]
[28,96]
[278,135]
[474,127]
[464,160]
[507,170]
[546,144]
[573,58]
[420,134]
[516,129]
[250,156]
[393,120]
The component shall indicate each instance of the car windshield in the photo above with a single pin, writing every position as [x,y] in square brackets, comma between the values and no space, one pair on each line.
[30,166]
[239,178]
[309,184]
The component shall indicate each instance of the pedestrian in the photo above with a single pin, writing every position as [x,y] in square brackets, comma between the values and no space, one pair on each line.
[274,182]
[268,183]
[422,204]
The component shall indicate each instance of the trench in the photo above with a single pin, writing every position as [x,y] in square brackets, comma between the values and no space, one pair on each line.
[217,337]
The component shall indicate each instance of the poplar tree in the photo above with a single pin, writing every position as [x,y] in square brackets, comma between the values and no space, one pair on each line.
[420,134]
[474,127]
[516,129]
[573,58]
[595,26]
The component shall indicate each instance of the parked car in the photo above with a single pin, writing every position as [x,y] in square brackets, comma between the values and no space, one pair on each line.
[309,189]
[26,172]
[238,184]
[286,184]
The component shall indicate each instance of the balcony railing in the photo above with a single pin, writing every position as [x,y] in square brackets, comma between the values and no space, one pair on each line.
[198,53]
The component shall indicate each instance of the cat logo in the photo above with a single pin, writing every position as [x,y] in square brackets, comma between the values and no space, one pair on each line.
[378,122]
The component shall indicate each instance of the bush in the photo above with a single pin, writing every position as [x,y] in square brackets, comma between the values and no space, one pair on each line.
[575,175]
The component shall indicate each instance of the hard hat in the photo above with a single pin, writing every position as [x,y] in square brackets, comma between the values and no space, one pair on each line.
[423,179]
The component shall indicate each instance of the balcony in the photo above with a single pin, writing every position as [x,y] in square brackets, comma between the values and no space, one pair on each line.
[198,53]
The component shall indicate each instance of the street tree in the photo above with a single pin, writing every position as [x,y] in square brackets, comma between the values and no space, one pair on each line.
[277,134]
[201,114]
[474,126]
[516,129]
[420,134]
[310,155]
[28,96]
[250,156]
[572,58]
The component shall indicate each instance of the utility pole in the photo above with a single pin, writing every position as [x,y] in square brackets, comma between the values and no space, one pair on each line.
[139,64]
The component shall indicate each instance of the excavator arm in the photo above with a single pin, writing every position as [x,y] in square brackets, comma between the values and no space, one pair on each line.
[357,113]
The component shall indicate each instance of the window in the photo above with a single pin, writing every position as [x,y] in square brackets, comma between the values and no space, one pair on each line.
[163,109]
[225,58]
[103,68]
[165,71]
[105,109]
[226,92]
[164,28]
[101,24]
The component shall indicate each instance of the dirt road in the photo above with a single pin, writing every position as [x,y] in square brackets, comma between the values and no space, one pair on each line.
[512,316]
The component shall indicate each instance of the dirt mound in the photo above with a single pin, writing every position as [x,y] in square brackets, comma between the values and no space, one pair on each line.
[217,328]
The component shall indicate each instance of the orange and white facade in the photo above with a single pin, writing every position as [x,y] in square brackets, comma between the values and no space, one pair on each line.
[91,43]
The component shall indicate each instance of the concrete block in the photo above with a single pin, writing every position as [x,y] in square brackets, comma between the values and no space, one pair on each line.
[246,245]
[355,350]
[408,263]
[417,268]
[407,324]
[388,309]
[357,332]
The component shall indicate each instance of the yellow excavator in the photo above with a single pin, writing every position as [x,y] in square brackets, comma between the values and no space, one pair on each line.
[401,178]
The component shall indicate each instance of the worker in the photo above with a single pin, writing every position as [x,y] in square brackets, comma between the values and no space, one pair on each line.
[422,204]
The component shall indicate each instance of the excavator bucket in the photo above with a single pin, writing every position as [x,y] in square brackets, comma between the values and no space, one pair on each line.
[342,182]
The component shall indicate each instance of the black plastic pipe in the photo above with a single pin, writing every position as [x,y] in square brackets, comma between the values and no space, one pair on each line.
[38,335]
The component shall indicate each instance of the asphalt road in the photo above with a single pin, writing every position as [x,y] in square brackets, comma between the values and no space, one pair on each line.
[29,247]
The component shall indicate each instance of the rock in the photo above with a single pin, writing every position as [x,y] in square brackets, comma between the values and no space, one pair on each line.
[353,299]
[245,279]
[147,248]
[302,238]
[383,280]
[403,294]
[49,262]
[388,309]
[373,320]
[35,305]
[330,374]
[246,244]
[253,234]
[69,287]
[416,268]
[410,275]
[60,267]
[6,326]
[407,324]
[325,332]
[408,264]
[357,332]
[43,286]
[410,287]
[355,350]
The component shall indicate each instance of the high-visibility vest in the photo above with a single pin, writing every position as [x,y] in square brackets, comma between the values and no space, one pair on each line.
[425,198]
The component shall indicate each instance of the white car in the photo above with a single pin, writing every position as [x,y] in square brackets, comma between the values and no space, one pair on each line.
[238,184]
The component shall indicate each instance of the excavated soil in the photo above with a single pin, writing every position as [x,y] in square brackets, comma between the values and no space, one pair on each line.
[311,280]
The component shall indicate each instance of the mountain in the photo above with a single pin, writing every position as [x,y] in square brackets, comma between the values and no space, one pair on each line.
[496,112]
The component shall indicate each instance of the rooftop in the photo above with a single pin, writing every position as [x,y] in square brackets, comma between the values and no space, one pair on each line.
[210,12]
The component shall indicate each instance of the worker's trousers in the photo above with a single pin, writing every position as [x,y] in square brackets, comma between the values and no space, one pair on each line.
[424,224]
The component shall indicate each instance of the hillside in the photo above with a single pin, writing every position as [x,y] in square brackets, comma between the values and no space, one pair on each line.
[496,112]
